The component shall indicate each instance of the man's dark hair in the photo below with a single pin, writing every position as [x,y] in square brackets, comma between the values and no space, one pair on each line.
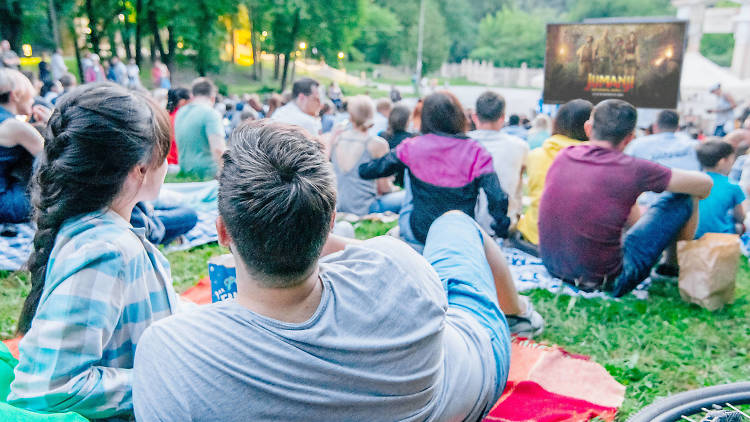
[277,195]
[304,86]
[67,81]
[570,118]
[668,121]
[442,113]
[398,120]
[490,107]
[514,120]
[613,121]
[203,87]
[713,150]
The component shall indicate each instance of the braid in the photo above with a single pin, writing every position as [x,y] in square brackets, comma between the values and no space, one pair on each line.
[77,173]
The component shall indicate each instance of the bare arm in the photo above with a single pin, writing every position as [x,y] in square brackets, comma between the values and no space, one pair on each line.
[379,148]
[218,146]
[635,214]
[15,132]
[739,213]
[337,243]
[692,183]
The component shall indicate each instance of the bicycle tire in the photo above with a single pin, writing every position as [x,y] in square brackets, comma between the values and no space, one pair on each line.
[670,409]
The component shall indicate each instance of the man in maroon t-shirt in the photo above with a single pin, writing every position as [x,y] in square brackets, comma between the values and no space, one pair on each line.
[589,203]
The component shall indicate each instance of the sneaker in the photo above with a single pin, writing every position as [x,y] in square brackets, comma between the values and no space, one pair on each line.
[666,271]
[529,324]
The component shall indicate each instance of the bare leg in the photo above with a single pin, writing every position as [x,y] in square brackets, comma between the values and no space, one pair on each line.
[507,295]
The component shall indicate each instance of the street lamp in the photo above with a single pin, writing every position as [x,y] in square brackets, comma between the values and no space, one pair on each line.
[302,45]
[341,55]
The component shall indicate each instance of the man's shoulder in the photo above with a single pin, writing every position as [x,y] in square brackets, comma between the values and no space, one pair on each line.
[387,263]
[184,328]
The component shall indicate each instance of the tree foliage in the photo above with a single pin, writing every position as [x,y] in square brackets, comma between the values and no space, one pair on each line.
[511,37]
[378,35]
[584,9]
[718,48]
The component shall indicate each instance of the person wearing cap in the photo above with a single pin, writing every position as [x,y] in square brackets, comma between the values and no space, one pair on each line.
[352,148]
[724,111]
[19,144]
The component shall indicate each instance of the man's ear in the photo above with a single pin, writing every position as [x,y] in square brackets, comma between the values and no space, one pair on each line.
[627,140]
[475,119]
[221,229]
[333,220]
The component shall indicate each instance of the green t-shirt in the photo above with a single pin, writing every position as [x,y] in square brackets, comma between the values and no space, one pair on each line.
[192,126]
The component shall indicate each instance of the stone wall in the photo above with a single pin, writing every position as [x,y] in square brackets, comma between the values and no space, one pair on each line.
[485,73]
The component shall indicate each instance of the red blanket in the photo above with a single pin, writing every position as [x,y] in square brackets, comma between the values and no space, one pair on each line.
[548,384]
[545,384]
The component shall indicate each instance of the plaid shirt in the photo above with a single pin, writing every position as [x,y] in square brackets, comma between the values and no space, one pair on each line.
[105,284]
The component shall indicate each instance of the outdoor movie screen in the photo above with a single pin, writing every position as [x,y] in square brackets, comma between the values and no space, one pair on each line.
[636,62]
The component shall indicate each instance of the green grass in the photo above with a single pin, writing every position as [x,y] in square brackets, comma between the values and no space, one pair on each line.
[654,347]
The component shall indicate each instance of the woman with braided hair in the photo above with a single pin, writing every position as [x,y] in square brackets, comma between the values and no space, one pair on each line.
[96,283]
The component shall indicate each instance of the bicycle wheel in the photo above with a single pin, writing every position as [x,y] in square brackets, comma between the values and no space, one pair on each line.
[690,403]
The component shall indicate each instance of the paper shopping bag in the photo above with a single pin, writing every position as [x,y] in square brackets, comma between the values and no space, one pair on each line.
[708,268]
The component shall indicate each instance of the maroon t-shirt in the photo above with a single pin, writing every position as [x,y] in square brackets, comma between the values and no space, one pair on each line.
[588,194]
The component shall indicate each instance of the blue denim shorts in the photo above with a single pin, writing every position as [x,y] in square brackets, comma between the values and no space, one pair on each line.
[455,249]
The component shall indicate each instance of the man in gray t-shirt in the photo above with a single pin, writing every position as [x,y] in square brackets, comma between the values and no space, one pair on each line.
[370,331]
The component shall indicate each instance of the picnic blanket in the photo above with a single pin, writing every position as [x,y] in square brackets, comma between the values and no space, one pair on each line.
[15,251]
[200,196]
[545,383]
[529,273]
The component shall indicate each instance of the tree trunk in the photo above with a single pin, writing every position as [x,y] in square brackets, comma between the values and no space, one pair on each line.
[74,36]
[155,31]
[125,34]
[287,56]
[138,30]
[94,35]
[276,64]
[283,74]
[172,47]
[152,52]
[52,14]
[11,22]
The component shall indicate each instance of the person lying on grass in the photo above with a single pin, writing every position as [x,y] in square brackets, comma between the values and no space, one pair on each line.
[325,328]
[96,283]
[589,201]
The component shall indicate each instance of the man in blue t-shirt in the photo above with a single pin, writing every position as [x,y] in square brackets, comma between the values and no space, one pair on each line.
[665,147]
[722,211]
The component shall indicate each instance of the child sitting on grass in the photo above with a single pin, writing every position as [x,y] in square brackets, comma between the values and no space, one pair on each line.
[722,211]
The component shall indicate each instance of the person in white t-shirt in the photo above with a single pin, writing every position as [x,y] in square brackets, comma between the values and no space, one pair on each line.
[508,155]
[304,108]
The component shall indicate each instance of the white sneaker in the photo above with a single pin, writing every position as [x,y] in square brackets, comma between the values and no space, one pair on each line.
[529,324]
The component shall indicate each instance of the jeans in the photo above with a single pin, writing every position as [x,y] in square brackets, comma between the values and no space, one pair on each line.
[177,221]
[644,243]
[388,202]
[455,249]
[15,206]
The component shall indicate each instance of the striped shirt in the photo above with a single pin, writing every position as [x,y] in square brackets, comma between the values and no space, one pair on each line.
[105,284]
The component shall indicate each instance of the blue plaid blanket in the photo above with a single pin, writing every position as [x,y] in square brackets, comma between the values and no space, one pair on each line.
[529,273]
[15,251]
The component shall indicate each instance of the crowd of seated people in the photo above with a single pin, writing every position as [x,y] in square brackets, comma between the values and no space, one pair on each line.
[105,335]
